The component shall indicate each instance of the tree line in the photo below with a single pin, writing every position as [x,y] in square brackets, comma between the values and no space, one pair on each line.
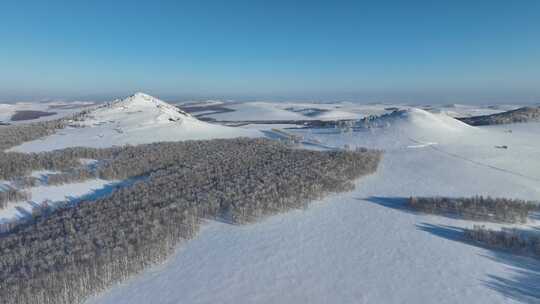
[516,240]
[14,135]
[477,208]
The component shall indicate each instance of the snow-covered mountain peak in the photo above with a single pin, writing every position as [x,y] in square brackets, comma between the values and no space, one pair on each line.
[142,95]
[137,119]
[144,102]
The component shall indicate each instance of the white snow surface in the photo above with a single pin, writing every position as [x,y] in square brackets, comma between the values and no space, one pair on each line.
[137,119]
[364,246]
[357,247]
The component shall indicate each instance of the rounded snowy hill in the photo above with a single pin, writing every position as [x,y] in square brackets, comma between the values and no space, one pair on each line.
[413,127]
[137,119]
[416,119]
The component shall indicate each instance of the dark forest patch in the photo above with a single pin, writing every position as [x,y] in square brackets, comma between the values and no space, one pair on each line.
[29,115]
[66,254]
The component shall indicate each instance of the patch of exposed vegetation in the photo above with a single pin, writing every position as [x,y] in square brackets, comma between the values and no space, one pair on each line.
[525,114]
[29,114]
[67,254]
[477,208]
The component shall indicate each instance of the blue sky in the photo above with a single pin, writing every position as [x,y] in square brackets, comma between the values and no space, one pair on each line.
[403,51]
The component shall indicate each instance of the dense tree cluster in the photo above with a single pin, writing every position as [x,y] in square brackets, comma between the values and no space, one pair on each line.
[524,241]
[65,255]
[477,208]
[14,135]
[12,195]
[15,165]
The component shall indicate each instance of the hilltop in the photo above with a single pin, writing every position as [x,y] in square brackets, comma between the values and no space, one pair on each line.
[137,119]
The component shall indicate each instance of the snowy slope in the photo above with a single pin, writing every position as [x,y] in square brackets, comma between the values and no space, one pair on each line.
[420,120]
[363,246]
[137,119]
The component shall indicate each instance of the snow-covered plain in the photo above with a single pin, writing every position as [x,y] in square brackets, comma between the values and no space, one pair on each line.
[363,246]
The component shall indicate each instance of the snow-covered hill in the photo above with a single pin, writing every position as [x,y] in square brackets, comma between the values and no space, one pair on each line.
[137,119]
[418,120]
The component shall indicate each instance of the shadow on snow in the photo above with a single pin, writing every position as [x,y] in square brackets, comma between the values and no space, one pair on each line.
[524,283]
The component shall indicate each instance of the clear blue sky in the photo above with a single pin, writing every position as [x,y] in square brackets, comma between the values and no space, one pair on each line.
[448,51]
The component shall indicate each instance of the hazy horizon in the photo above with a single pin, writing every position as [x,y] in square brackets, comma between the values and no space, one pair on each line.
[410,98]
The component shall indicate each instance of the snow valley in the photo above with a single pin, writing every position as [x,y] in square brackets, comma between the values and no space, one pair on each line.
[142,201]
